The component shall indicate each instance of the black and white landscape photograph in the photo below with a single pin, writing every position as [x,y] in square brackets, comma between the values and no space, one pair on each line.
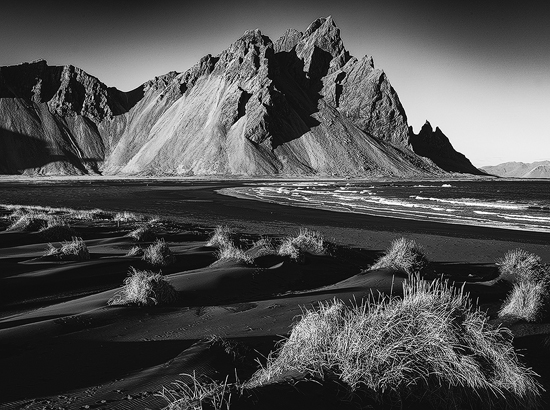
[299,205]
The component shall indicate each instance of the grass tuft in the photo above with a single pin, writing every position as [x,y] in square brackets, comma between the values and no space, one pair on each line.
[30,222]
[234,253]
[144,288]
[519,265]
[428,347]
[197,394]
[89,214]
[307,240]
[221,237]
[403,255]
[528,301]
[75,250]
[158,254]
[127,217]
[135,251]
[530,296]
[143,233]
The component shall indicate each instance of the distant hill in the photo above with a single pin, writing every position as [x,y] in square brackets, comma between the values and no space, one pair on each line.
[301,105]
[540,169]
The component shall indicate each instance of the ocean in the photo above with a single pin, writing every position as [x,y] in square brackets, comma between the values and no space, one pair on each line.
[517,204]
[520,205]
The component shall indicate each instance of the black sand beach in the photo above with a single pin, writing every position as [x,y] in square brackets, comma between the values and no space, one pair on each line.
[63,347]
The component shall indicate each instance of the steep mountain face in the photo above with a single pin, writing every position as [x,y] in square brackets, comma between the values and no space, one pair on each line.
[299,106]
[539,169]
[437,147]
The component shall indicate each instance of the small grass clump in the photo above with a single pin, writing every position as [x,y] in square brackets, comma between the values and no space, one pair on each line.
[221,237]
[144,288]
[428,348]
[529,298]
[143,233]
[158,254]
[135,251]
[264,246]
[307,240]
[127,217]
[528,301]
[519,265]
[403,255]
[234,253]
[89,214]
[75,250]
[197,394]
[30,222]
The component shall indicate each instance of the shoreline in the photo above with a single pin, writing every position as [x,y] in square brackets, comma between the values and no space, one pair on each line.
[198,203]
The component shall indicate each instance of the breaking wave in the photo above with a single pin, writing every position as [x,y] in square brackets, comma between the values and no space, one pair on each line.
[457,203]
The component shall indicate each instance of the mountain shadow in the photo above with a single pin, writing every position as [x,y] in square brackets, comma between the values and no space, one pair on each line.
[27,153]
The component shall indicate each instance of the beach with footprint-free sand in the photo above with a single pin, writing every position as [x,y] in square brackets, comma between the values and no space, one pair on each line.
[238,275]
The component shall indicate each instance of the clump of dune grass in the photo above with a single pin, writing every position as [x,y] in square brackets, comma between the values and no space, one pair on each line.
[528,301]
[403,255]
[70,250]
[233,253]
[307,240]
[89,214]
[143,233]
[29,222]
[529,298]
[221,237]
[135,251]
[144,288]
[264,246]
[519,265]
[429,347]
[197,394]
[126,216]
[158,254]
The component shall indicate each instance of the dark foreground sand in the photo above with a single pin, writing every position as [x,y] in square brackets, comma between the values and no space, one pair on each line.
[61,346]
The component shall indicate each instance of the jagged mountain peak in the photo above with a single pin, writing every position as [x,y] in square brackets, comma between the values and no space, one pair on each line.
[299,106]
[435,145]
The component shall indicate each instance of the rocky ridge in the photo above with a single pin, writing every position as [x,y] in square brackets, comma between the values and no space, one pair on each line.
[298,106]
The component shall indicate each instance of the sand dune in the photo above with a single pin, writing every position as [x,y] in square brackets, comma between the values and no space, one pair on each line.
[63,346]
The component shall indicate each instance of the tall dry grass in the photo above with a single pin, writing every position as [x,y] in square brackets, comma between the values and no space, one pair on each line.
[143,233]
[158,254]
[427,348]
[529,298]
[306,240]
[197,394]
[221,237]
[75,250]
[404,255]
[144,288]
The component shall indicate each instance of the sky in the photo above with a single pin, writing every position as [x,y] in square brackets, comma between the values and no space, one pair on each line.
[480,70]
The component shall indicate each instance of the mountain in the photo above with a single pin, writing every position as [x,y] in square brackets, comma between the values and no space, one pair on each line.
[298,106]
[540,169]
[437,147]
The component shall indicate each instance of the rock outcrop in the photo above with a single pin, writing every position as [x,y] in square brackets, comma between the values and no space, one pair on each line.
[299,106]
[437,147]
[539,169]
